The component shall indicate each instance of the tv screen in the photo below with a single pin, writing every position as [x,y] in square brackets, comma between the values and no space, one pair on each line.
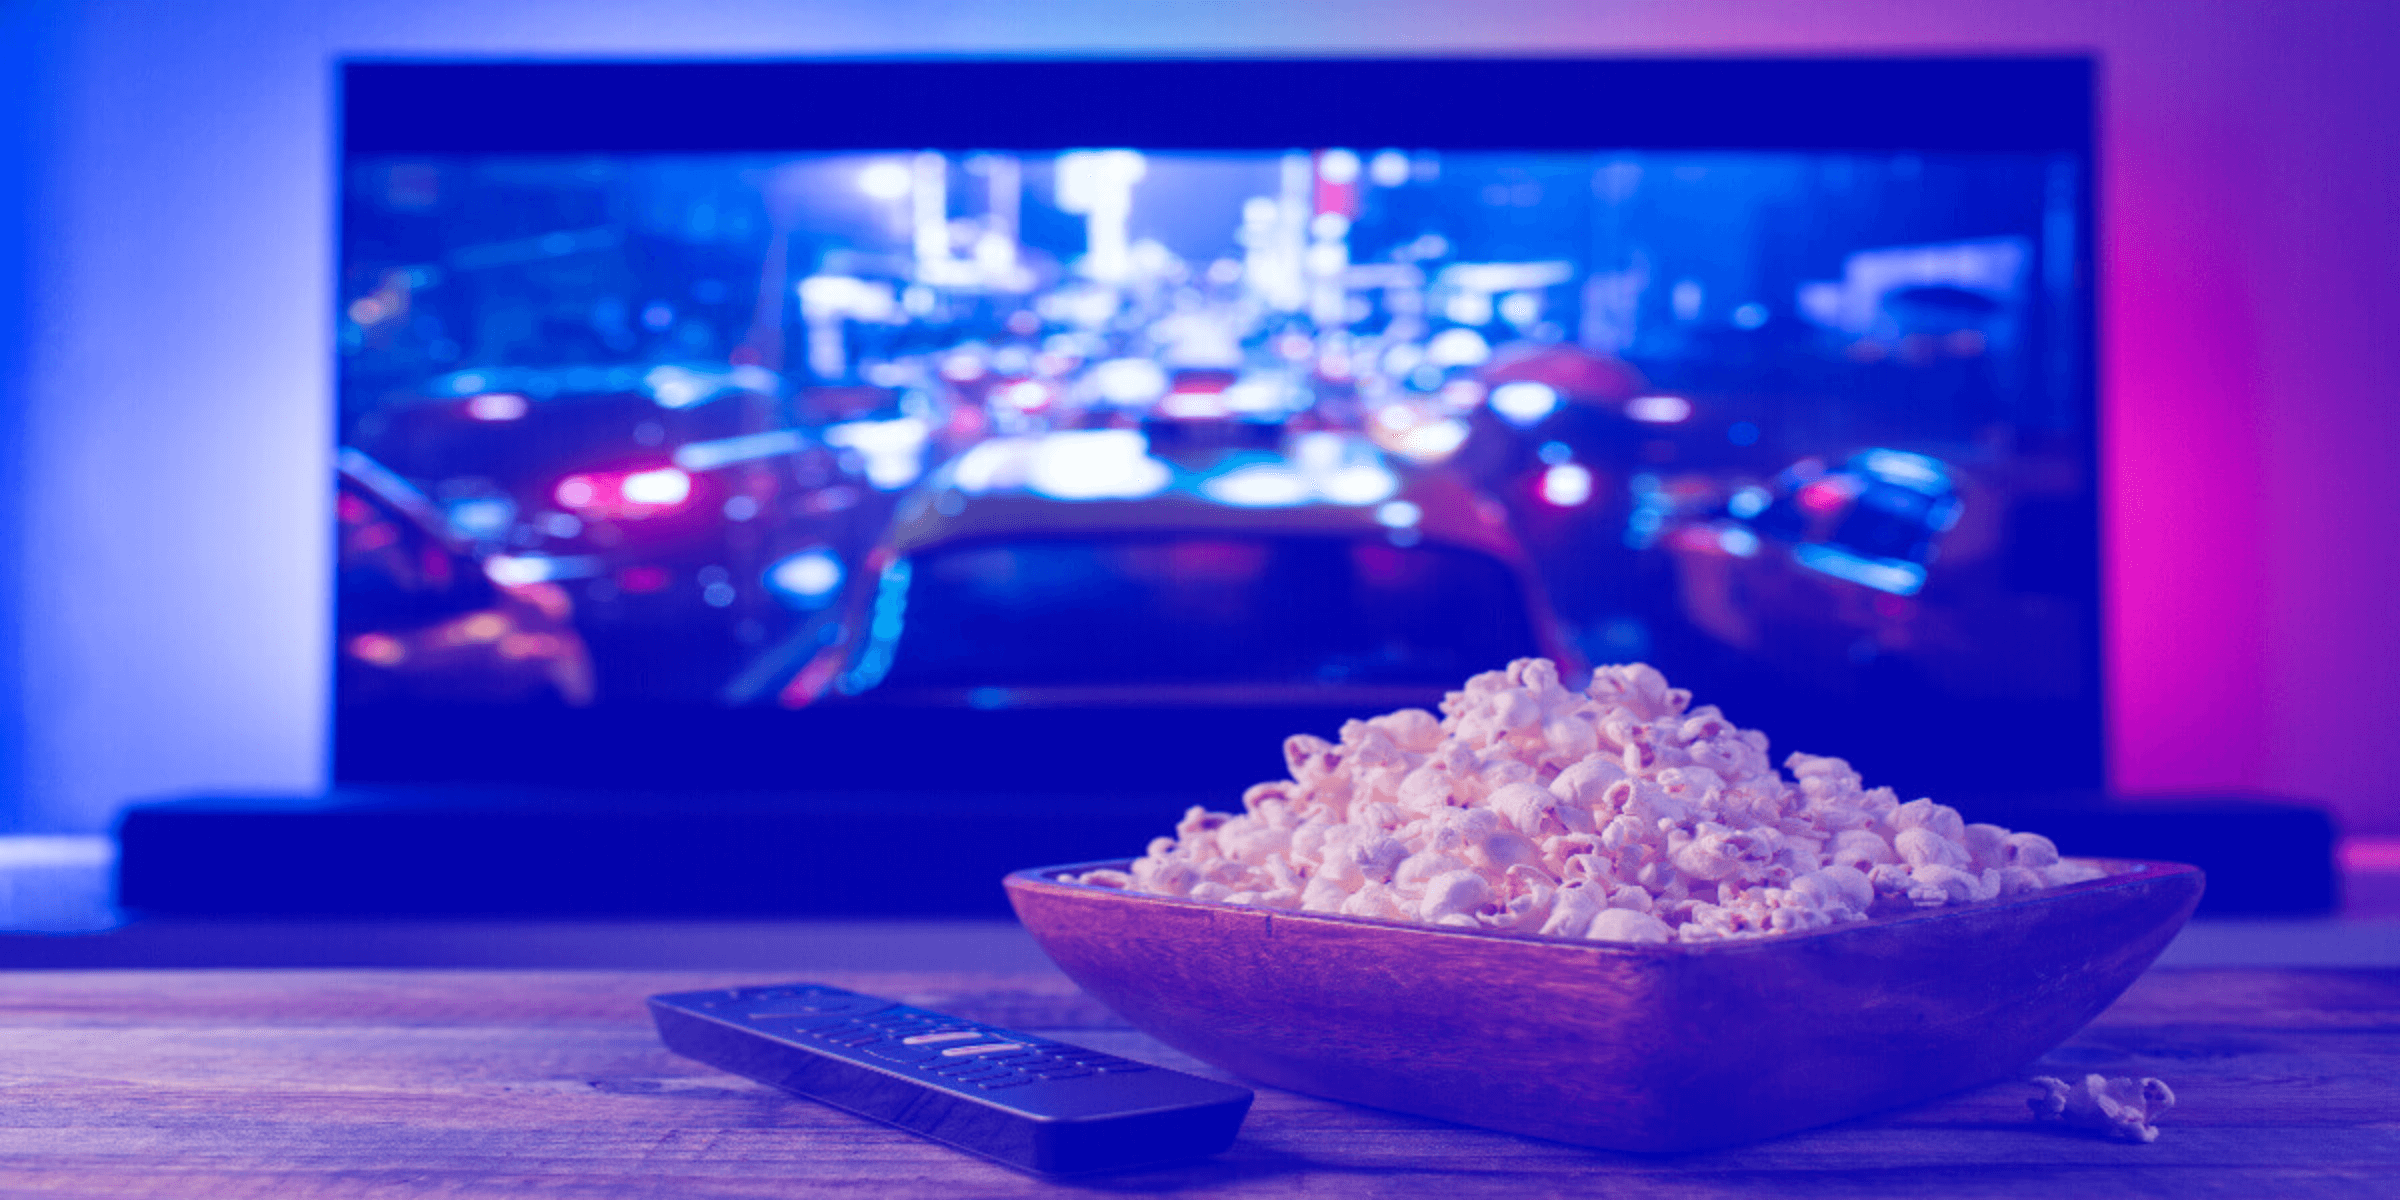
[1037,423]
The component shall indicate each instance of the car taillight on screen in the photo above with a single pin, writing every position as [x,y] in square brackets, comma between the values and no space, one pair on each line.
[624,495]
[1829,494]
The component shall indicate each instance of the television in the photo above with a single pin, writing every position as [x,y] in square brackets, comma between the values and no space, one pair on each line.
[1081,428]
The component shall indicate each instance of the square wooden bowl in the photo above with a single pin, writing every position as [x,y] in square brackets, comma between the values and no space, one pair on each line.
[1628,1047]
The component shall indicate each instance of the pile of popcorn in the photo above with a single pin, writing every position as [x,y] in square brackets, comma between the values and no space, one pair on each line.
[1618,813]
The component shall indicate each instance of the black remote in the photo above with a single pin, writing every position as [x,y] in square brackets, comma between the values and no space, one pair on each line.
[1029,1102]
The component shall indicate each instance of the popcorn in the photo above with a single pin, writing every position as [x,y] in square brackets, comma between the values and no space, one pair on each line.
[2120,1108]
[1617,813]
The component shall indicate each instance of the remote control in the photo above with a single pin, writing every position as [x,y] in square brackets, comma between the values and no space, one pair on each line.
[1029,1102]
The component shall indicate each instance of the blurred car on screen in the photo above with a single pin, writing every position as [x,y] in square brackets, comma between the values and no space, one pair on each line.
[581,465]
[420,619]
[1080,569]
[661,506]
[1822,563]
[1877,520]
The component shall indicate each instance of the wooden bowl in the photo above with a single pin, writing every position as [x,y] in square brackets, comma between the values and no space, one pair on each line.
[1645,1048]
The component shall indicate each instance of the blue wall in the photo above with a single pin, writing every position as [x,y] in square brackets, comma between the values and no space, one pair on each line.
[29,37]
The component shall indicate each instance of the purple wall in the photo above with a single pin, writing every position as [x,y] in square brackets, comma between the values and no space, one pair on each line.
[173,400]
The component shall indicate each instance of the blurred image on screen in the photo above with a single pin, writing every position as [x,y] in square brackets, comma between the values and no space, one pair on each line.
[992,430]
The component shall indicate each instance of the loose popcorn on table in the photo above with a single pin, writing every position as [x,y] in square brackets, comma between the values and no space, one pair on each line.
[2121,1108]
[1618,813]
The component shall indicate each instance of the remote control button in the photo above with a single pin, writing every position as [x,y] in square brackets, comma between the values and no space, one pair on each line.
[971,1070]
[839,1004]
[900,1052]
[980,1076]
[1006,1081]
[1108,1062]
[1063,1073]
[985,1048]
[947,1035]
[1006,1062]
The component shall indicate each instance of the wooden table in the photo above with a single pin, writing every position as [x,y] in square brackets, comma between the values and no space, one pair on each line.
[207,1084]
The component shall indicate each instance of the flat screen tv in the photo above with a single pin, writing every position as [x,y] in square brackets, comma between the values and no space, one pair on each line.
[1048,426]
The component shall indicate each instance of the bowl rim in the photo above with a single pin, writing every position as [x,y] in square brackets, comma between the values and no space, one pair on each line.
[2122,872]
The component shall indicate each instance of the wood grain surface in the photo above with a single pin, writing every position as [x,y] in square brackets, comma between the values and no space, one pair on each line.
[202,1085]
